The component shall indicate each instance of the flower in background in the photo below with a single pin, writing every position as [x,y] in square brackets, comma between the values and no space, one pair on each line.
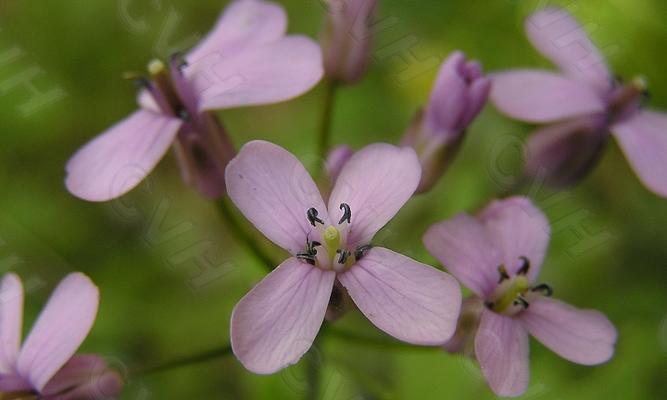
[246,60]
[582,104]
[498,256]
[346,41]
[45,365]
[277,321]
[336,160]
[459,94]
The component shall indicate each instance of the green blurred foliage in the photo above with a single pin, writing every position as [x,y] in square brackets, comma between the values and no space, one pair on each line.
[608,248]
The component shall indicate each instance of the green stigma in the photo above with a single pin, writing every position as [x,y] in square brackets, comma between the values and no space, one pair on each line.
[331,239]
[156,67]
[517,286]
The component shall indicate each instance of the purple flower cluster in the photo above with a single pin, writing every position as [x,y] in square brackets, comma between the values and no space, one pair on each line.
[328,232]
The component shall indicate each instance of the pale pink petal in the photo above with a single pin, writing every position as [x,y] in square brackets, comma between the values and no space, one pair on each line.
[541,96]
[277,321]
[411,301]
[518,229]
[581,336]
[60,329]
[564,152]
[274,191]
[502,348]
[83,377]
[643,139]
[464,248]
[259,75]
[119,159]
[147,102]
[376,182]
[11,321]
[244,23]
[560,38]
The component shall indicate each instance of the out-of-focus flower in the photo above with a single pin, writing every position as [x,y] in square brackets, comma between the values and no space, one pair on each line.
[246,60]
[583,104]
[336,160]
[459,94]
[346,41]
[277,321]
[498,256]
[45,365]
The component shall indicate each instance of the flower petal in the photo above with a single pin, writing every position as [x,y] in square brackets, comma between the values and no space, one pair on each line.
[565,152]
[463,246]
[274,191]
[502,348]
[411,301]
[643,139]
[376,182]
[277,321]
[560,38]
[11,321]
[259,75]
[581,336]
[60,329]
[518,229]
[243,24]
[541,96]
[119,159]
[83,377]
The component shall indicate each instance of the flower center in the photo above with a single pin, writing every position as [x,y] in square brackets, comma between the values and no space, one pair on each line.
[334,252]
[627,98]
[168,87]
[514,293]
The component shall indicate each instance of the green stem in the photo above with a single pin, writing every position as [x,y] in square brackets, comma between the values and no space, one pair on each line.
[330,87]
[243,236]
[185,361]
[312,374]
[381,344]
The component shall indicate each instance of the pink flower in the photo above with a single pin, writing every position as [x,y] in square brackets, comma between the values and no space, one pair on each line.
[346,41]
[45,364]
[458,96]
[498,256]
[246,60]
[277,321]
[582,104]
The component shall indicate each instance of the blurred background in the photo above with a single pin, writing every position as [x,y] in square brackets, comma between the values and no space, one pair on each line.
[169,271]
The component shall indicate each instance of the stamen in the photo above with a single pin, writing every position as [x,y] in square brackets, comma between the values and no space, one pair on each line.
[311,246]
[312,216]
[525,266]
[347,214]
[543,289]
[361,251]
[184,114]
[503,273]
[309,258]
[520,301]
[342,256]
[178,59]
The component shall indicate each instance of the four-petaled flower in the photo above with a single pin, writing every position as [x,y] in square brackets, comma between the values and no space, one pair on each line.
[45,365]
[498,256]
[277,321]
[246,60]
[582,104]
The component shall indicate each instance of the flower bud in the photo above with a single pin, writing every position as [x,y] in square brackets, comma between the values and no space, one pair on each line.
[459,94]
[346,41]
